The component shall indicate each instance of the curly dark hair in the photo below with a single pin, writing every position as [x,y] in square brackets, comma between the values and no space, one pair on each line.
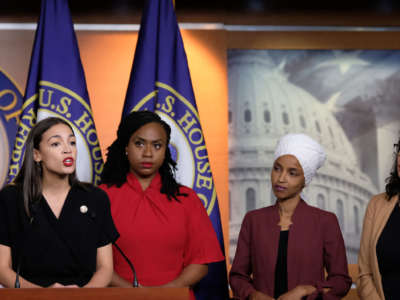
[117,164]
[393,181]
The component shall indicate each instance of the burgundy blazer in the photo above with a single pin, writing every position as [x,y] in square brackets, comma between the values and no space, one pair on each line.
[315,242]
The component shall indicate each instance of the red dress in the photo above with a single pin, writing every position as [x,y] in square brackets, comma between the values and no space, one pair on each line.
[160,236]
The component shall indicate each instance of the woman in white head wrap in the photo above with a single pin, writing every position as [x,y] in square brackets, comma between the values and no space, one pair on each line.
[283,250]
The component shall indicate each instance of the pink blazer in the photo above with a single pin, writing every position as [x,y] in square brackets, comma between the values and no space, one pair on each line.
[369,282]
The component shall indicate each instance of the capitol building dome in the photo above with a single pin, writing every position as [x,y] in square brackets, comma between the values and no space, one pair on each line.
[263,106]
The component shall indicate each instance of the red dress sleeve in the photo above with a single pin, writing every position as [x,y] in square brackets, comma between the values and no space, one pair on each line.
[201,245]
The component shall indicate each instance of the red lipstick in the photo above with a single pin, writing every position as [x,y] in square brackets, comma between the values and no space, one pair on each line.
[68,162]
[147,165]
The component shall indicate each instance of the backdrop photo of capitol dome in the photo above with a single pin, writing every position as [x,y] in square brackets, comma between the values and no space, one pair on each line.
[346,100]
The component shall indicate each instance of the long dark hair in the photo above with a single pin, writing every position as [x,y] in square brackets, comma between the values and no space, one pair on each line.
[29,178]
[393,181]
[117,164]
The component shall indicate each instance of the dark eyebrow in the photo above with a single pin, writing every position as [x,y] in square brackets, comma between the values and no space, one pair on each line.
[144,140]
[58,136]
[290,169]
[53,136]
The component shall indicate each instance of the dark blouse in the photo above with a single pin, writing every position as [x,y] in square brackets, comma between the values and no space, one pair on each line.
[281,265]
[50,249]
[388,254]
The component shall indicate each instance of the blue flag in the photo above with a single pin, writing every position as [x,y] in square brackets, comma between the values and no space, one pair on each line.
[10,110]
[160,81]
[56,86]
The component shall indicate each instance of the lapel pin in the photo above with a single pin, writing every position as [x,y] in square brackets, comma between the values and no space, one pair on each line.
[83,209]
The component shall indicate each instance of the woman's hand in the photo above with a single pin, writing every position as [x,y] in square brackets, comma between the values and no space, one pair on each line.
[298,292]
[259,296]
[56,285]
[189,276]
[59,285]
[74,286]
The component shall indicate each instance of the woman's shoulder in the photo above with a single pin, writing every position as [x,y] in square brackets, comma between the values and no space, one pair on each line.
[11,187]
[115,190]
[260,217]
[187,196]
[321,214]
[107,187]
[381,202]
[85,187]
[9,194]
[260,212]
[318,211]
[10,190]
[186,191]
[381,198]
[90,191]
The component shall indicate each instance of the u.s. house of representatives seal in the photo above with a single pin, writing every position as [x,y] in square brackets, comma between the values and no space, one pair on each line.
[187,140]
[57,101]
[10,109]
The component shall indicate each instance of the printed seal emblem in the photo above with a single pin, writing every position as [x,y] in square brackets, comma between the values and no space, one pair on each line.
[10,110]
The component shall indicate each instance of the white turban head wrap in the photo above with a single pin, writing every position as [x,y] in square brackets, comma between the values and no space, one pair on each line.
[308,152]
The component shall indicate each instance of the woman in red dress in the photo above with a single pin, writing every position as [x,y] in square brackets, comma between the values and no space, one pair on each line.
[164,228]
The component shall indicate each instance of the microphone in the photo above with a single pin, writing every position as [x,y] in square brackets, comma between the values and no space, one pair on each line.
[135,282]
[17,285]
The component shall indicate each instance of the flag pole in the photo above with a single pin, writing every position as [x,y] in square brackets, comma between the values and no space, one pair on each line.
[160,81]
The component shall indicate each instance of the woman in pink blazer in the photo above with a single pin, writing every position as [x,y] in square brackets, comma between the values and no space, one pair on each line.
[379,257]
